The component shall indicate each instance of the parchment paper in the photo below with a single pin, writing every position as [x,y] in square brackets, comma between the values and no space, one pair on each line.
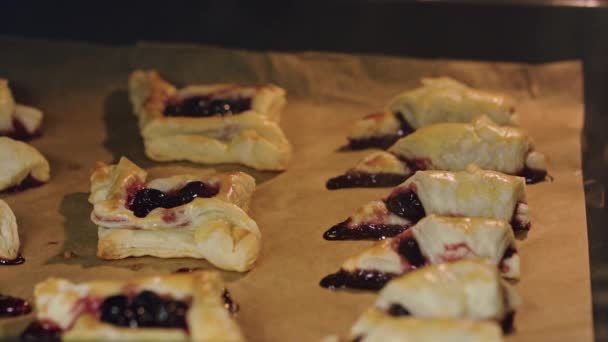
[82,90]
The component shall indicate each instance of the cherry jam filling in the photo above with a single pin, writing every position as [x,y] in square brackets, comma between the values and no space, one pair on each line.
[357,179]
[13,306]
[147,199]
[406,204]
[409,249]
[28,182]
[19,132]
[205,106]
[368,231]
[382,141]
[533,176]
[397,310]
[42,331]
[11,262]
[360,279]
[147,309]
[229,303]
[507,323]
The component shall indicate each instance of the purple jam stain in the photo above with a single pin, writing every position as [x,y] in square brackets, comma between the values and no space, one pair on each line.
[28,182]
[533,176]
[361,280]
[509,253]
[397,310]
[148,199]
[205,106]
[188,270]
[13,306]
[368,231]
[41,331]
[406,204]
[382,141]
[356,179]
[409,249]
[147,309]
[19,132]
[8,262]
[229,303]
[507,323]
[519,227]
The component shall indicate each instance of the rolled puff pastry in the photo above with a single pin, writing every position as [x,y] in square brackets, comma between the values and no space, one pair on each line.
[471,289]
[217,228]
[16,120]
[376,326]
[470,193]
[9,236]
[252,137]
[74,308]
[21,163]
[446,100]
[452,146]
[439,239]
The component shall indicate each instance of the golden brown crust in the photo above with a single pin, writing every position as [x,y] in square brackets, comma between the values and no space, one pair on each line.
[253,138]
[9,236]
[20,160]
[207,318]
[217,229]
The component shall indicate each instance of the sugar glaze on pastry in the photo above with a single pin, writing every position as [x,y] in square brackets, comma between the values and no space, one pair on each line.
[433,240]
[16,120]
[439,100]
[198,216]
[473,193]
[217,123]
[451,147]
[175,307]
[22,166]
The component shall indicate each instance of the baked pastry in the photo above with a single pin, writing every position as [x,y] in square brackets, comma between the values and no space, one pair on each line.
[433,240]
[473,193]
[220,123]
[176,307]
[198,216]
[376,326]
[438,100]
[449,146]
[22,166]
[469,289]
[9,237]
[16,120]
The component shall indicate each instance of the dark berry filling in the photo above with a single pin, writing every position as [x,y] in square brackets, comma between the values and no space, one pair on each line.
[147,309]
[382,141]
[519,227]
[368,231]
[533,176]
[19,132]
[507,322]
[361,279]
[229,303]
[41,331]
[205,106]
[28,182]
[12,306]
[17,261]
[410,250]
[356,179]
[148,199]
[397,310]
[406,204]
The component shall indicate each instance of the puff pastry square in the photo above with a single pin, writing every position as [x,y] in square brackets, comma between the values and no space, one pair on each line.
[9,237]
[219,123]
[376,326]
[433,240]
[451,147]
[472,193]
[439,100]
[198,216]
[16,120]
[177,307]
[22,166]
